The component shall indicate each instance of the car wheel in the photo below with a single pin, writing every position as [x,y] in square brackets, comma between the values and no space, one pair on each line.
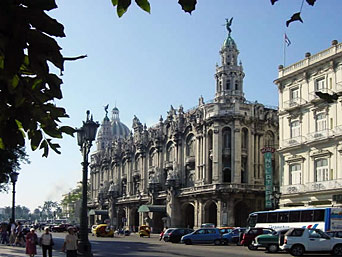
[272,248]
[225,241]
[217,242]
[252,247]
[297,250]
[337,251]
[141,235]
[187,242]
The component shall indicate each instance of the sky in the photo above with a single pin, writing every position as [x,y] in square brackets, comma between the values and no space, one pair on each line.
[143,63]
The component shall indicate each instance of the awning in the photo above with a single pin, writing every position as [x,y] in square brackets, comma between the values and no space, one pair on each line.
[98,212]
[152,208]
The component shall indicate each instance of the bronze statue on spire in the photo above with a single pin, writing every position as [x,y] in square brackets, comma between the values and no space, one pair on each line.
[228,24]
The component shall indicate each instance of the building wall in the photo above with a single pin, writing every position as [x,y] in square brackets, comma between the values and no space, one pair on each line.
[201,165]
[310,151]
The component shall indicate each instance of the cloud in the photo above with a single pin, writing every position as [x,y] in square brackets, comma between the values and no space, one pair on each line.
[57,190]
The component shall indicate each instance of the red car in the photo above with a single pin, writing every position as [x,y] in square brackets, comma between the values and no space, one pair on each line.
[252,233]
[60,228]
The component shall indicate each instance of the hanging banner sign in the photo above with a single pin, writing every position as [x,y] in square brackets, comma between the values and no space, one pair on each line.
[268,176]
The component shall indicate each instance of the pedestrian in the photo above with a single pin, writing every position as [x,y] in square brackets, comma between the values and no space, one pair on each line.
[12,233]
[19,240]
[162,233]
[31,243]
[4,233]
[70,243]
[46,242]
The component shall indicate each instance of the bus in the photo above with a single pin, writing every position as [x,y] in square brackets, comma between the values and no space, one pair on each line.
[326,219]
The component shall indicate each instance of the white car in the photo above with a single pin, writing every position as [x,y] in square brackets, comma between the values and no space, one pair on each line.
[297,241]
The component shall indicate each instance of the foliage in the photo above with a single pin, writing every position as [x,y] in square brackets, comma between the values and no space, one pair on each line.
[10,160]
[122,5]
[21,212]
[27,88]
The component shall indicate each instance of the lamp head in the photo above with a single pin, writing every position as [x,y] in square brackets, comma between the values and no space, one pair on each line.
[14,176]
[90,128]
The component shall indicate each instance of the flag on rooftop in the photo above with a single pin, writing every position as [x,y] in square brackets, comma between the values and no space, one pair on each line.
[287,40]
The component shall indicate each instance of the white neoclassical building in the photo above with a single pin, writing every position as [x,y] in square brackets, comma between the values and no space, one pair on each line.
[310,133]
[203,165]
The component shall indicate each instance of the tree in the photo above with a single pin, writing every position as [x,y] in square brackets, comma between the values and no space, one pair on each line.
[10,160]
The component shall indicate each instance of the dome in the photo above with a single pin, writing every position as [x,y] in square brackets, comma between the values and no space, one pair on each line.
[119,130]
[229,42]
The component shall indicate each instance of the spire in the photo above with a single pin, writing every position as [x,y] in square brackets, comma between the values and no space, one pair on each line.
[229,75]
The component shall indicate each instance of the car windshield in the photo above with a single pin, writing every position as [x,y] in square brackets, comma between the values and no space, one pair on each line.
[169,230]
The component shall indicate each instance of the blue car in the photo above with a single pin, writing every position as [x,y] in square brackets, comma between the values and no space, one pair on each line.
[233,237]
[203,236]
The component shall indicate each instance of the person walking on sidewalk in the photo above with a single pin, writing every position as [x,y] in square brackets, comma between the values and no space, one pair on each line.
[31,242]
[46,242]
[70,243]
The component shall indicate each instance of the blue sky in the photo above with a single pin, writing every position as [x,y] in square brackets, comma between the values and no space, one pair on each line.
[144,62]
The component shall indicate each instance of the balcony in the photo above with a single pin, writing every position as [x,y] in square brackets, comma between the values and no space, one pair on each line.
[319,135]
[294,103]
[314,97]
[312,187]
[292,189]
[294,141]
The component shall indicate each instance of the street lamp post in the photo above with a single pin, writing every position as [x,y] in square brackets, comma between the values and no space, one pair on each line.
[85,136]
[14,178]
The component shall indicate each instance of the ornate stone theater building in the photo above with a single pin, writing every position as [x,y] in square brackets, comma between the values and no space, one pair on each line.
[199,166]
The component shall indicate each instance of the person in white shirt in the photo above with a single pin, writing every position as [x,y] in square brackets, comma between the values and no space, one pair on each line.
[12,235]
[70,243]
[46,242]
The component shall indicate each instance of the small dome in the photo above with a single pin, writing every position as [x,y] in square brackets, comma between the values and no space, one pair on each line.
[119,130]
[229,42]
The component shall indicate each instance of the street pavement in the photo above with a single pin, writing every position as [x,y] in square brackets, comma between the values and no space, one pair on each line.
[134,246]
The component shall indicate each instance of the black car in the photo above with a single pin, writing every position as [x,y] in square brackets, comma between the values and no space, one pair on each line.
[176,235]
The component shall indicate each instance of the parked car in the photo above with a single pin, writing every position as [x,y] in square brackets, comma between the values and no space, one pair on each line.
[225,230]
[233,237]
[269,241]
[176,234]
[208,225]
[334,234]
[203,236]
[60,228]
[301,240]
[167,233]
[251,234]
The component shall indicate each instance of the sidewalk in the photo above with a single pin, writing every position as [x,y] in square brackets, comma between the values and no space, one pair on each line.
[15,251]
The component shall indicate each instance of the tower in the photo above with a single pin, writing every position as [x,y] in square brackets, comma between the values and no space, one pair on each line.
[229,75]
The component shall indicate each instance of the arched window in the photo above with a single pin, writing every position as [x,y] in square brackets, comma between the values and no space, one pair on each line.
[227,174]
[244,139]
[190,146]
[227,137]
[228,84]
[170,153]
[269,139]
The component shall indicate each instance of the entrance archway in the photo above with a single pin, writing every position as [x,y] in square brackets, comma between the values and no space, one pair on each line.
[189,215]
[121,218]
[241,216]
[135,219]
[211,213]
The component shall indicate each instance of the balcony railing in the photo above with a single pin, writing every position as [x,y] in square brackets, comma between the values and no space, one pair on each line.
[318,135]
[226,186]
[294,141]
[312,187]
[292,189]
[313,96]
[293,103]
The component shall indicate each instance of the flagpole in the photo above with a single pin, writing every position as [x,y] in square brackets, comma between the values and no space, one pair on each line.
[284,49]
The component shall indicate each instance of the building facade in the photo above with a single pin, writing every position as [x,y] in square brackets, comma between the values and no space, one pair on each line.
[203,165]
[310,134]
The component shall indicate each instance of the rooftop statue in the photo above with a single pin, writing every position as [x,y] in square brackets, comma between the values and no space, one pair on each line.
[228,24]
[106,109]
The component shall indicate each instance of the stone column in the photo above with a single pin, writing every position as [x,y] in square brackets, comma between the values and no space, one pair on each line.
[237,153]
[217,155]
[230,211]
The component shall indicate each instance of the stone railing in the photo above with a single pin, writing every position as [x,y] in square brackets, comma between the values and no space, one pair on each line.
[318,135]
[226,186]
[293,103]
[312,187]
[310,60]
[294,141]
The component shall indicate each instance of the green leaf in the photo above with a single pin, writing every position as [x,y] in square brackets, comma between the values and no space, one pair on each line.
[115,2]
[36,139]
[15,81]
[41,4]
[188,5]
[68,130]
[43,22]
[52,132]
[2,146]
[122,6]
[55,86]
[144,4]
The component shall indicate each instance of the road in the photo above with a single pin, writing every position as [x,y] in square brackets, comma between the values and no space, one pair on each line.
[135,246]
